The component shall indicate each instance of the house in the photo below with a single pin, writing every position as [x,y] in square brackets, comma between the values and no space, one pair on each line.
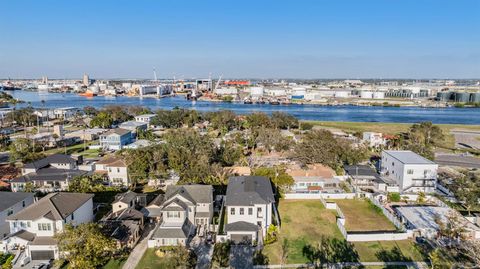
[116,170]
[366,178]
[11,203]
[315,178]
[374,139]
[410,171]
[134,126]
[186,209]
[34,227]
[154,209]
[125,223]
[249,207]
[86,134]
[146,118]
[49,174]
[66,112]
[115,139]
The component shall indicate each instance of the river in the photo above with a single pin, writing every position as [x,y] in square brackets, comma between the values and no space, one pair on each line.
[451,115]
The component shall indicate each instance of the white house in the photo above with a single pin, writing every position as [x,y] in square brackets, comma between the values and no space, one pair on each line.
[115,139]
[146,118]
[249,207]
[116,170]
[11,203]
[35,226]
[374,139]
[410,171]
[186,209]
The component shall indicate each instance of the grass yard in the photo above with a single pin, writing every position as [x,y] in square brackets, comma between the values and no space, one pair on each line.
[151,261]
[360,215]
[305,221]
[404,250]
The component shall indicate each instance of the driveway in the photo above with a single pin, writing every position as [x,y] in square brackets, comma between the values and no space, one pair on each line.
[204,252]
[241,256]
[137,253]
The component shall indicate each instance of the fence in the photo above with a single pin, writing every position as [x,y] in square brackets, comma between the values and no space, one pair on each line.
[388,214]
[316,196]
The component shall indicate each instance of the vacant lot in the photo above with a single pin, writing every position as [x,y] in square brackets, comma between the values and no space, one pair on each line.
[305,221]
[360,215]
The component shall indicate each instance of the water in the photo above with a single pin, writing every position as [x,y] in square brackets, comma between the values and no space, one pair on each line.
[304,112]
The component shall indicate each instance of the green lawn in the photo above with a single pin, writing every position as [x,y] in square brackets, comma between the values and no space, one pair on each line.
[77,148]
[305,221]
[151,261]
[112,264]
[360,215]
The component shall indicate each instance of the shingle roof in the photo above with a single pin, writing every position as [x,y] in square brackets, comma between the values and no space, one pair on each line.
[194,193]
[50,174]
[248,191]
[54,206]
[241,226]
[113,161]
[125,197]
[23,234]
[55,158]
[9,199]
[117,131]
[172,232]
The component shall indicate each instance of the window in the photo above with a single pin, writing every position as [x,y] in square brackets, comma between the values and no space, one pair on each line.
[242,211]
[259,212]
[23,203]
[118,170]
[250,211]
[10,211]
[410,171]
[73,216]
[44,227]
[232,211]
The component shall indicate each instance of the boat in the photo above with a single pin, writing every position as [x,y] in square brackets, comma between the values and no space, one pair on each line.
[274,102]
[88,94]
[247,102]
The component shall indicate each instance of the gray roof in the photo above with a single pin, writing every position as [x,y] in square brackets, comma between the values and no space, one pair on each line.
[175,232]
[423,217]
[55,158]
[125,197]
[132,124]
[44,241]
[194,193]
[50,174]
[363,172]
[117,131]
[24,235]
[9,199]
[249,190]
[54,206]
[241,226]
[408,157]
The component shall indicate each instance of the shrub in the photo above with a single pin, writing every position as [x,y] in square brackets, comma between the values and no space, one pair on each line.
[394,197]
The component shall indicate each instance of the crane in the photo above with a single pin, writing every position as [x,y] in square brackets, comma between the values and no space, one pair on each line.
[218,82]
[156,82]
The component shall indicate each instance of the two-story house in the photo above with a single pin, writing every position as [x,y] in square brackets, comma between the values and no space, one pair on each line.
[410,171]
[145,118]
[186,209]
[48,174]
[10,204]
[249,207]
[116,170]
[115,139]
[134,126]
[34,227]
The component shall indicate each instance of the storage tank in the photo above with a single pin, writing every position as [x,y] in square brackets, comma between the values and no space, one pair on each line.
[256,91]
[342,94]
[462,97]
[378,95]
[475,97]
[444,96]
[366,94]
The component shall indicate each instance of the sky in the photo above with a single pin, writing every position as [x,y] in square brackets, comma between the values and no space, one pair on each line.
[240,39]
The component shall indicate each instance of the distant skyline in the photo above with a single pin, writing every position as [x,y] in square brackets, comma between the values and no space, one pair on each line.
[240,39]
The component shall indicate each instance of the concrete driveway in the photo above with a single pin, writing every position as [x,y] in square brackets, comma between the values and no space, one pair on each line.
[241,256]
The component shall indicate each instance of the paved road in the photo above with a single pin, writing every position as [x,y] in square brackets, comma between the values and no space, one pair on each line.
[137,253]
[241,257]
[417,265]
[457,160]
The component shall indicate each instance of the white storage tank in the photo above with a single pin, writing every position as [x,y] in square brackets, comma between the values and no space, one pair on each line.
[342,94]
[276,92]
[366,94]
[378,95]
[226,91]
[256,91]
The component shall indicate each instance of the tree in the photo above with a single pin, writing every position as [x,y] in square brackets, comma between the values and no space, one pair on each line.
[282,120]
[85,246]
[86,184]
[467,190]
[223,121]
[170,118]
[90,111]
[184,258]
[277,175]
[220,256]
[421,198]
[423,137]
[118,113]
[258,119]
[23,149]
[102,119]
[272,139]
[229,153]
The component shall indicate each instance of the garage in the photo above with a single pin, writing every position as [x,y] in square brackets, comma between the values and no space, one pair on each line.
[241,238]
[42,255]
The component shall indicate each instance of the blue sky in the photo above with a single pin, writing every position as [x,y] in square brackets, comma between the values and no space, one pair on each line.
[255,39]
